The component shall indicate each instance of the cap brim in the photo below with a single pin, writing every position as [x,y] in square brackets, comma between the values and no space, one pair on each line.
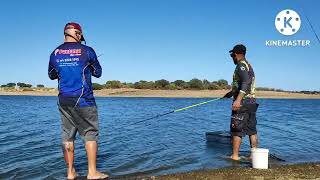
[231,51]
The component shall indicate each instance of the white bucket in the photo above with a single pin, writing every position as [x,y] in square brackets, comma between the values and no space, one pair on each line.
[260,158]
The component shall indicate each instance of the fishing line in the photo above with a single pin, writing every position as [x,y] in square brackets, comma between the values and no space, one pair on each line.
[177,110]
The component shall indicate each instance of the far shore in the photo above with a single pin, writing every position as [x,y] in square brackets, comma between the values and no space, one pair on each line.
[129,92]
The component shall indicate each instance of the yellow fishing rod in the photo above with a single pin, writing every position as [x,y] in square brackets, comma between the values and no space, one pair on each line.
[178,110]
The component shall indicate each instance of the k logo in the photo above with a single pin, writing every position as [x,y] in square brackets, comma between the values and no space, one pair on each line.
[288,22]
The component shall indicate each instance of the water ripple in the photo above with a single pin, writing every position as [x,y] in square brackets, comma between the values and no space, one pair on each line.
[30,135]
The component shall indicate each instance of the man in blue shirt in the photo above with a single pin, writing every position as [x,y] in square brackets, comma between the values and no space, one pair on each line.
[73,64]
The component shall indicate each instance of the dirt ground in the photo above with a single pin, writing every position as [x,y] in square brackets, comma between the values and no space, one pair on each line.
[297,171]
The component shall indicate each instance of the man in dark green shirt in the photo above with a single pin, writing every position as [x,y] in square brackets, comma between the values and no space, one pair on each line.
[244,107]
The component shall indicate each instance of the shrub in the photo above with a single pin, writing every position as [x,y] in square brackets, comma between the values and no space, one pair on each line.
[27,89]
[24,85]
[161,84]
[113,84]
[144,85]
[195,84]
[179,83]
[214,86]
[171,86]
[96,86]
[223,83]
[11,85]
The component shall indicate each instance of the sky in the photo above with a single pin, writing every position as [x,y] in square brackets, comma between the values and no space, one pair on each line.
[162,39]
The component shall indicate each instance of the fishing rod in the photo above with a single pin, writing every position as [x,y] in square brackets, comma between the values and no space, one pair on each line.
[178,110]
[314,32]
[309,22]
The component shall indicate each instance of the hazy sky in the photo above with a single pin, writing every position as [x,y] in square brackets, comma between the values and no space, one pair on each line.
[161,39]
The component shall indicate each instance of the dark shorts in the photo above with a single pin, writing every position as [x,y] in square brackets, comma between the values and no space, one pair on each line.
[244,122]
[79,119]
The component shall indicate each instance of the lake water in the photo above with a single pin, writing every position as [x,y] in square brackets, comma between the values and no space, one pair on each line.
[30,140]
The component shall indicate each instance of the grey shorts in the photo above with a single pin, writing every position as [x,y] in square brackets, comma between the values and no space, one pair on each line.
[244,122]
[79,119]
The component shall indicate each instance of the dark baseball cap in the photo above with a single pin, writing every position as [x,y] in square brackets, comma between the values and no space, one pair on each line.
[239,49]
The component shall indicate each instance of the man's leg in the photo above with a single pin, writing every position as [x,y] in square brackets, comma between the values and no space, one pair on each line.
[236,142]
[89,130]
[252,130]
[252,124]
[69,131]
[68,152]
[238,121]
[253,141]
[91,148]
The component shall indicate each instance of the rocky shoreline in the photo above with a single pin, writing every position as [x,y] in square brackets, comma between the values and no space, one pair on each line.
[294,171]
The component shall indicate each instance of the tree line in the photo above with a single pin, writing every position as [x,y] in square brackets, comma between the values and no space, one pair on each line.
[195,83]
[163,84]
[21,85]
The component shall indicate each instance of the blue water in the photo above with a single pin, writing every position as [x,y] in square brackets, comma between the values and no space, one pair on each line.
[30,135]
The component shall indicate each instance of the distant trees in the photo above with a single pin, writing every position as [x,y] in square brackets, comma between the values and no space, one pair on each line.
[96,86]
[127,85]
[214,86]
[269,89]
[24,85]
[195,84]
[9,85]
[206,84]
[179,83]
[113,84]
[309,92]
[144,85]
[162,84]
[222,83]
[19,86]
[281,90]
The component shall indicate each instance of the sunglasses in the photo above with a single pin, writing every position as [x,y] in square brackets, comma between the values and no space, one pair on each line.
[78,32]
[232,55]
[71,27]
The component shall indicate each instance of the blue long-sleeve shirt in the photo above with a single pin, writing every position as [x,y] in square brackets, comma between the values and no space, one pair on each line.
[73,64]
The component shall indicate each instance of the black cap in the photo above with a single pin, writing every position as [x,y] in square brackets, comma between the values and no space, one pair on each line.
[239,49]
